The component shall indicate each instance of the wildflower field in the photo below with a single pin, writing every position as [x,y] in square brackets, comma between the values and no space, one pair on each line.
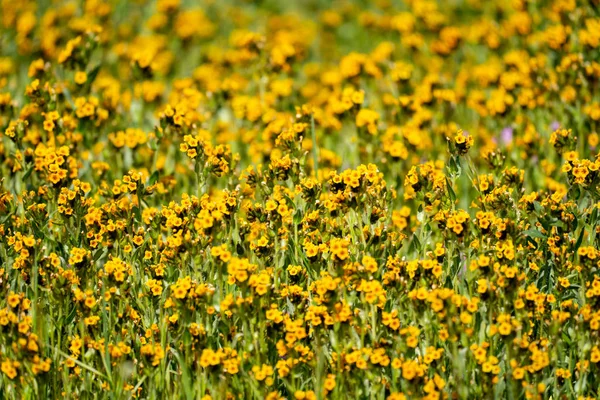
[307,199]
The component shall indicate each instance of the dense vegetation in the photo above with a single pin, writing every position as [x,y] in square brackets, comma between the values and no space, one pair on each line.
[280,199]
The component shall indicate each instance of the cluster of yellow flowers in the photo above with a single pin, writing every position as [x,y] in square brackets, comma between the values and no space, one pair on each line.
[300,200]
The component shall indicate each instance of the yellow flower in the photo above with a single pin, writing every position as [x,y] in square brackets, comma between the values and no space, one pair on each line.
[9,368]
[13,300]
[80,77]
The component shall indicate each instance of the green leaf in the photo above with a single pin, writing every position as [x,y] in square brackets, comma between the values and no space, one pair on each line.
[579,239]
[594,216]
[415,245]
[153,178]
[71,316]
[451,192]
[99,253]
[91,77]
[138,213]
[28,173]
[185,375]
[534,233]
[82,365]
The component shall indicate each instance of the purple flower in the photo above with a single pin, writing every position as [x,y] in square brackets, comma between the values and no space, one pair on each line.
[554,126]
[507,135]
